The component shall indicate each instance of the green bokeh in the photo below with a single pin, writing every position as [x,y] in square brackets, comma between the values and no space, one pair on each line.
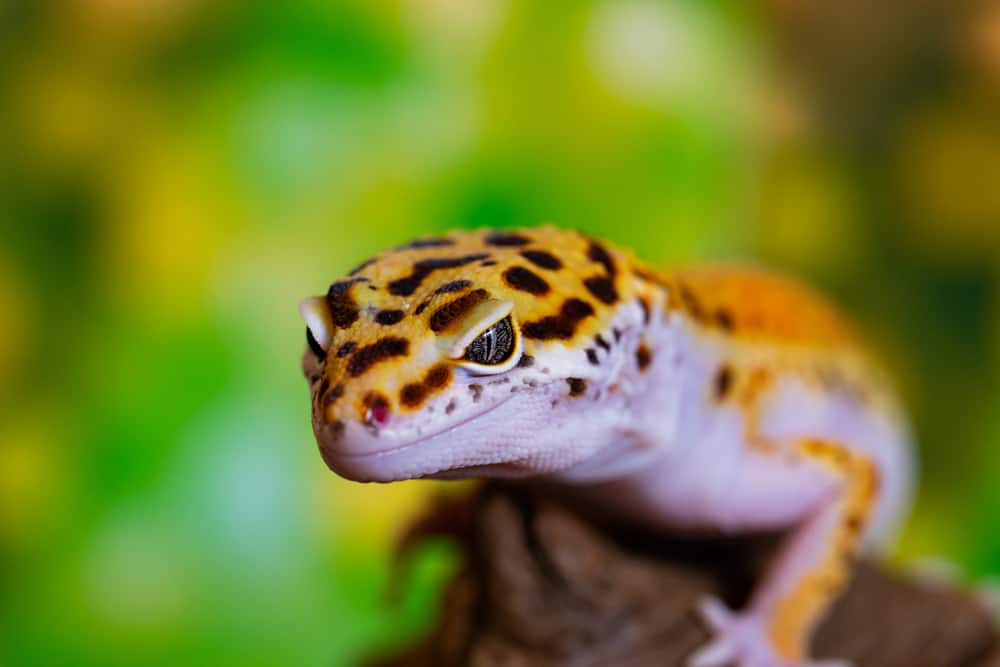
[174,177]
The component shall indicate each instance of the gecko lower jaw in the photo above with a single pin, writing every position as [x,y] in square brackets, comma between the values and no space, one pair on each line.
[425,456]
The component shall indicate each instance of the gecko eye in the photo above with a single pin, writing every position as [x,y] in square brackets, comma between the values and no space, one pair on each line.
[315,311]
[495,350]
[314,345]
[493,346]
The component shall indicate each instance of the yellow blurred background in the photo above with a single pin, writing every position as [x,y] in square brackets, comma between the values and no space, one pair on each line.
[175,175]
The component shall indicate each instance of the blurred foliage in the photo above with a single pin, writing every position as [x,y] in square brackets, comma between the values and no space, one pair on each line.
[176,175]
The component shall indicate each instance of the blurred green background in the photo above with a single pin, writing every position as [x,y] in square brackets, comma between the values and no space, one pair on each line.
[175,175]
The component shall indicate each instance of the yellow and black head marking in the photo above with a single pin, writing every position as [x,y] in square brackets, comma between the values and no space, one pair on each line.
[403,326]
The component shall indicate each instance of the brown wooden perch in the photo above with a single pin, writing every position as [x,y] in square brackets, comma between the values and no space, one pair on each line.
[546,586]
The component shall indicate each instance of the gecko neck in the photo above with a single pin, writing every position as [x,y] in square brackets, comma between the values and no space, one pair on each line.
[649,370]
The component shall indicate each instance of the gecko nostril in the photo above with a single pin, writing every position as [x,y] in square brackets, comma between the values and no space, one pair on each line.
[376,409]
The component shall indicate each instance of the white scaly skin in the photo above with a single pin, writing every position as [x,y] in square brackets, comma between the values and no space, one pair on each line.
[667,444]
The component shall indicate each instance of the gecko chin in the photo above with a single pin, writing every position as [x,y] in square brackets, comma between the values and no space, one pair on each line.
[363,454]
[511,439]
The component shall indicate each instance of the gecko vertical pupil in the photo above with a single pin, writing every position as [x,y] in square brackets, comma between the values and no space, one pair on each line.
[493,346]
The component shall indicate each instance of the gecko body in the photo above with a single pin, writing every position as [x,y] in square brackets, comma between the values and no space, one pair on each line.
[716,400]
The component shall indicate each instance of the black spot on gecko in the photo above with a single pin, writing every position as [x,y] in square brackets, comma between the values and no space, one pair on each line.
[691,303]
[602,288]
[643,356]
[422,307]
[429,242]
[724,319]
[489,262]
[542,259]
[389,317]
[598,253]
[342,287]
[617,334]
[577,387]
[413,394]
[522,279]
[601,343]
[438,377]
[343,307]
[334,394]
[425,267]
[646,312]
[453,286]
[592,356]
[346,348]
[506,240]
[527,361]
[380,350]
[723,382]
[314,345]
[448,409]
[476,391]
[561,326]
[443,317]
[336,429]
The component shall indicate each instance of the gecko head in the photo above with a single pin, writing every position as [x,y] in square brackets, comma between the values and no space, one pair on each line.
[460,356]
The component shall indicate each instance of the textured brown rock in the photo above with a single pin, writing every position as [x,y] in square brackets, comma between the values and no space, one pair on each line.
[544,586]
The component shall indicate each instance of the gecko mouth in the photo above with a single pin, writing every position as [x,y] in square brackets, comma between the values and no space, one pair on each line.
[507,470]
[441,454]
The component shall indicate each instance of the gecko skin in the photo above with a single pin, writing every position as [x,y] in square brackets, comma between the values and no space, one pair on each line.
[711,399]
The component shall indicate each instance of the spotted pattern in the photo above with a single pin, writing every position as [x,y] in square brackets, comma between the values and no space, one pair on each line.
[581,305]
[392,317]
[598,253]
[408,285]
[343,307]
[414,394]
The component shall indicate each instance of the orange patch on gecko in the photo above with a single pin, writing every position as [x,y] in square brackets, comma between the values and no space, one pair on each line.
[795,616]
[751,304]
[757,382]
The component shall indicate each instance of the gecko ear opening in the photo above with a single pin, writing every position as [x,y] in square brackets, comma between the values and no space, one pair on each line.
[490,339]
